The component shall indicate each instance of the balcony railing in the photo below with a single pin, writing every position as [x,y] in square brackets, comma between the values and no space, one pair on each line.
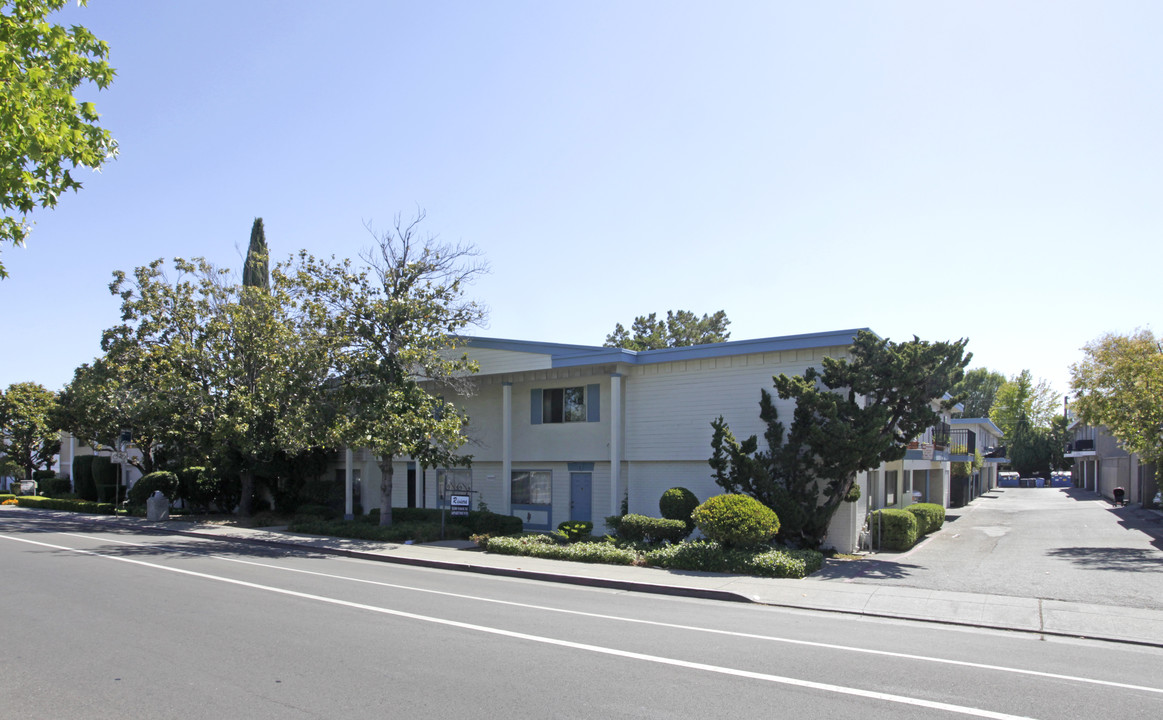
[962,442]
[1080,445]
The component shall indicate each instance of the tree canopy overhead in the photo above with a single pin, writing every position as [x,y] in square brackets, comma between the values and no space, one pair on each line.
[979,388]
[848,418]
[397,320]
[1119,385]
[1021,396]
[46,134]
[680,329]
[28,433]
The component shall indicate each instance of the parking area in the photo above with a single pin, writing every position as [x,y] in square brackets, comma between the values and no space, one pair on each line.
[1051,543]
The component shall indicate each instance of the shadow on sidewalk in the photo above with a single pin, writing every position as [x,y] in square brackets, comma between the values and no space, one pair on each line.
[865,569]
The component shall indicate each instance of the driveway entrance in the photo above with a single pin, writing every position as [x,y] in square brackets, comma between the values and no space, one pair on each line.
[1051,543]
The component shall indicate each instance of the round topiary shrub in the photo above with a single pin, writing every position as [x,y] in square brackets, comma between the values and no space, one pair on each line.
[736,520]
[141,491]
[930,517]
[893,529]
[678,503]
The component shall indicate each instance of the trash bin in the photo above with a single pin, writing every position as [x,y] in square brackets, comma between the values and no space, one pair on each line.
[1120,496]
[157,507]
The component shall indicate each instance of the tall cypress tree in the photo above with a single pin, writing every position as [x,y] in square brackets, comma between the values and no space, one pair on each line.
[256,272]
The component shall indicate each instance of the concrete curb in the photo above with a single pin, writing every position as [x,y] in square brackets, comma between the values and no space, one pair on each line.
[607,583]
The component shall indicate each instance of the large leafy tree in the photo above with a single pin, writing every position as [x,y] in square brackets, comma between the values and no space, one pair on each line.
[46,134]
[28,433]
[120,390]
[848,418]
[1022,396]
[680,328]
[398,318]
[979,388]
[1119,385]
[211,370]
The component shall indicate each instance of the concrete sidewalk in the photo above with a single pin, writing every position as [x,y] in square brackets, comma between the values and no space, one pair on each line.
[1033,615]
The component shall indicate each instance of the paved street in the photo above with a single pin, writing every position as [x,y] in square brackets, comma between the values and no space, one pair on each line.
[1060,544]
[114,623]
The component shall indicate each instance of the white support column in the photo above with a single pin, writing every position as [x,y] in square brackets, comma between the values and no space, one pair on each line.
[506,448]
[616,490]
[348,505]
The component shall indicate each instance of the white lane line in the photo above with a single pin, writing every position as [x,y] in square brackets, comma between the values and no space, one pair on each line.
[825,687]
[655,623]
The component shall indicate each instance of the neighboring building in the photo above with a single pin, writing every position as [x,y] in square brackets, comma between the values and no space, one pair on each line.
[1101,465]
[570,432]
[970,437]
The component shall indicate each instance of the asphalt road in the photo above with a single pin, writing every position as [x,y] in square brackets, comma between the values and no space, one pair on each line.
[1050,543]
[134,625]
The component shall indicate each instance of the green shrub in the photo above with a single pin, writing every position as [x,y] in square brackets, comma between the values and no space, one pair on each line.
[144,488]
[640,528]
[105,477]
[613,522]
[543,546]
[39,475]
[678,503]
[397,532]
[736,520]
[576,530]
[83,483]
[79,506]
[853,493]
[930,517]
[712,557]
[478,522]
[55,487]
[899,529]
[7,496]
[311,511]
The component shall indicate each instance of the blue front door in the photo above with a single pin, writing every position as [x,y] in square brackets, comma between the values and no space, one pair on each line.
[580,496]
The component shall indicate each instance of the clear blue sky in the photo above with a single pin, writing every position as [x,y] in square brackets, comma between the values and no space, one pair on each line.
[988,170]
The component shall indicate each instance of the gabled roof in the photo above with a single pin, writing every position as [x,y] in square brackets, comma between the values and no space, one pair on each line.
[578,355]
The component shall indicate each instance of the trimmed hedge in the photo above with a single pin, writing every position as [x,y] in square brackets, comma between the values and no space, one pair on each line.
[54,487]
[899,526]
[543,546]
[930,517]
[640,528]
[144,488]
[713,557]
[678,503]
[736,520]
[83,483]
[105,477]
[703,556]
[397,532]
[78,506]
[478,522]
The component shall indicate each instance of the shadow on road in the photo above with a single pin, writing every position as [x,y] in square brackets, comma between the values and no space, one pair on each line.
[1103,558]
[866,569]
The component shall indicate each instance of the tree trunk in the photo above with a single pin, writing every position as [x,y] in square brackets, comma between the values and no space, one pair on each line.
[245,506]
[386,471]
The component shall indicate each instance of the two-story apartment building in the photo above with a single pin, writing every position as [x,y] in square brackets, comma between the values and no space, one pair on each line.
[1101,464]
[571,432]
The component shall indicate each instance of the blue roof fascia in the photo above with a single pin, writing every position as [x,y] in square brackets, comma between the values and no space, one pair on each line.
[713,350]
[977,421]
[527,346]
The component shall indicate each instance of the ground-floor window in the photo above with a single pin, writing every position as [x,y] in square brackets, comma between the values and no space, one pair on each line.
[532,498]
[532,487]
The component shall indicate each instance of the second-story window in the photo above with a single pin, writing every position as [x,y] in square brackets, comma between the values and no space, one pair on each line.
[563,405]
